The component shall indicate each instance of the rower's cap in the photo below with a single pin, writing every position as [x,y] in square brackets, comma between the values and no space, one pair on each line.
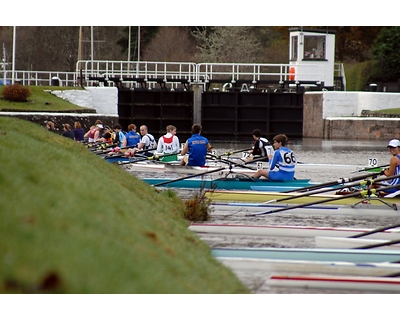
[394,143]
[100,125]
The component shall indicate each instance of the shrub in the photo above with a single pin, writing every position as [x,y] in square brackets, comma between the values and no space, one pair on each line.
[16,93]
[198,208]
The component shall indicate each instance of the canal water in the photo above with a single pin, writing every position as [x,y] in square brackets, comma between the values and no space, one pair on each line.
[308,151]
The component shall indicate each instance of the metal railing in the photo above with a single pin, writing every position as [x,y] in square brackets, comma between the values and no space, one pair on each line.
[135,73]
[42,78]
[256,72]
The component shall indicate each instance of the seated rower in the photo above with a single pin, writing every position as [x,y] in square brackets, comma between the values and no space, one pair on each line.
[394,168]
[261,148]
[284,158]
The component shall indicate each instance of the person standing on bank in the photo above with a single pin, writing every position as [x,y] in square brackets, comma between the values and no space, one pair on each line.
[169,143]
[284,158]
[197,146]
[262,148]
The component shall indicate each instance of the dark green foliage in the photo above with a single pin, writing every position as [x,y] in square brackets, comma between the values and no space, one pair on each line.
[358,75]
[386,51]
[16,93]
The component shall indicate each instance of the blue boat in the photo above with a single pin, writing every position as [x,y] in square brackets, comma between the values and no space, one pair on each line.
[228,183]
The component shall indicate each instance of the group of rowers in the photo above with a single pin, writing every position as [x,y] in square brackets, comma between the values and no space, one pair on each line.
[281,159]
[196,148]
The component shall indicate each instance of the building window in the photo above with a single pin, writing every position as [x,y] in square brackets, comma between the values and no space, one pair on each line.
[293,55]
[314,47]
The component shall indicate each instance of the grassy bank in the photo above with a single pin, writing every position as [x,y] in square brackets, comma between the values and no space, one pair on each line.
[41,99]
[73,223]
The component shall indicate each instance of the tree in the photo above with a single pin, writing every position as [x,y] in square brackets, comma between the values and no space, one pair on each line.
[147,33]
[172,44]
[228,44]
[386,51]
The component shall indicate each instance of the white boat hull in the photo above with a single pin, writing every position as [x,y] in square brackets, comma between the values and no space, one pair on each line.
[361,209]
[292,231]
[309,267]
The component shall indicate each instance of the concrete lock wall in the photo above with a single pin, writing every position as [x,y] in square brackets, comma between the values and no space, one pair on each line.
[337,115]
[103,99]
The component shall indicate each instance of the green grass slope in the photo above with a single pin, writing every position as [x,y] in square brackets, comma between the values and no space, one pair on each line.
[72,223]
[41,100]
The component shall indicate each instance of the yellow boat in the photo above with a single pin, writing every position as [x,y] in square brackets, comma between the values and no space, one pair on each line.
[265,196]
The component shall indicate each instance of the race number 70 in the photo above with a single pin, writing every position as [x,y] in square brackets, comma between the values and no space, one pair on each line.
[372,162]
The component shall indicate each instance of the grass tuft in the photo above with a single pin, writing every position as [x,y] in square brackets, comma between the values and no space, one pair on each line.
[198,207]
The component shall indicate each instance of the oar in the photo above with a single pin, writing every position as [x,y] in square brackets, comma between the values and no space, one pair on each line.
[257,159]
[237,151]
[370,168]
[333,183]
[136,152]
[187,177]
[302,205]
[231,162]
[144,158]
[367,233]
[376,245]
[304,194]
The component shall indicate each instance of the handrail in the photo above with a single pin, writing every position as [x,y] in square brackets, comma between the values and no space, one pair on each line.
[93,72]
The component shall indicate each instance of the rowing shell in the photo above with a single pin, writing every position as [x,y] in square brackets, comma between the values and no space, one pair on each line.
[314,254]
[307,267]
[336,282]
[260,196]
[292,231]
[228,183]
[362,209]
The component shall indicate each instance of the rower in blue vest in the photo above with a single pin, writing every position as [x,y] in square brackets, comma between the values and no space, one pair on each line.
[284,158]
[197,146]
[132,137]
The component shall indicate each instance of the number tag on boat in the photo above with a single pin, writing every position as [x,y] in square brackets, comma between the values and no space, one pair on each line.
[245,155]
[259,165]
[372,162]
